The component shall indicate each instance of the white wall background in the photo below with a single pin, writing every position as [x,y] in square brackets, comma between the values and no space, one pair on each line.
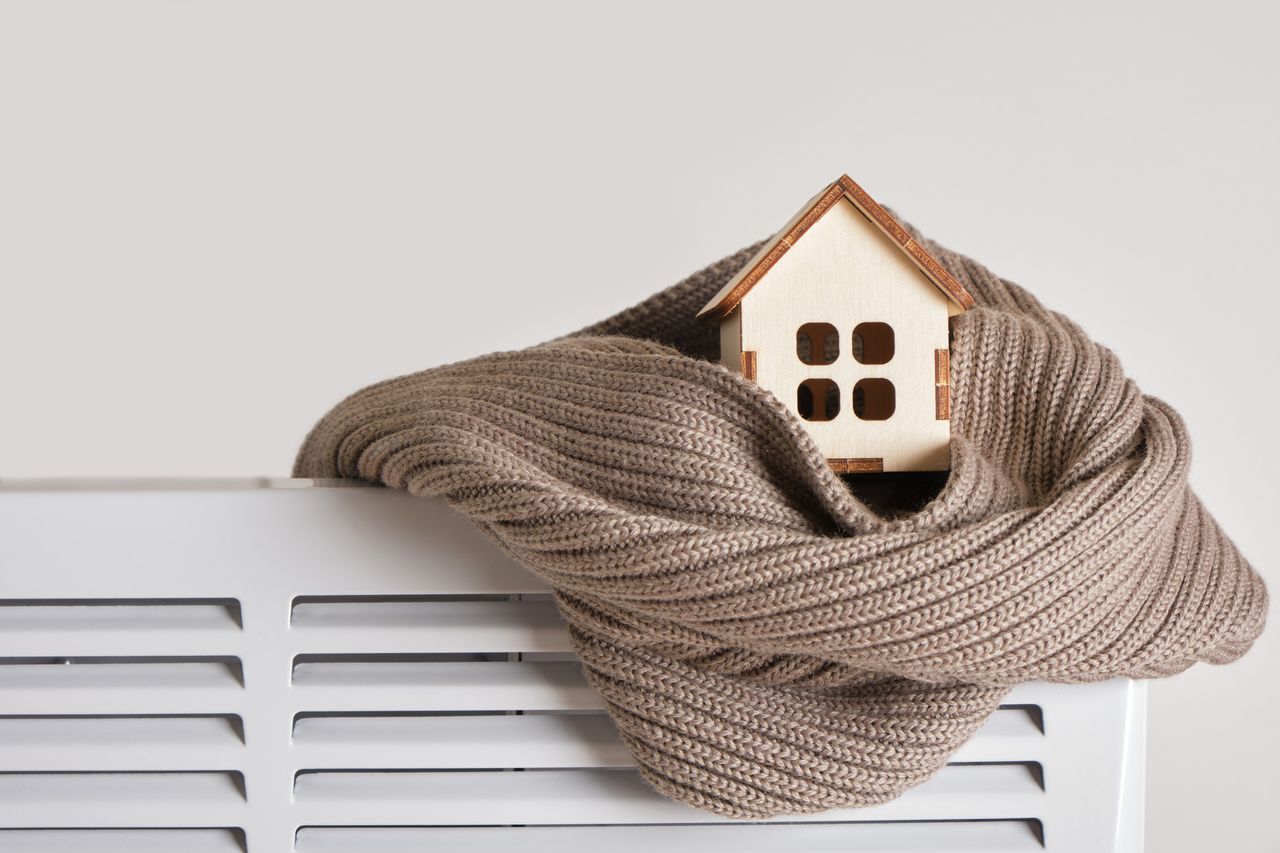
[217,219]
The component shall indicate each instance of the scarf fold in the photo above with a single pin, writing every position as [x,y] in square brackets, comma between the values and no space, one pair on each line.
[766,642]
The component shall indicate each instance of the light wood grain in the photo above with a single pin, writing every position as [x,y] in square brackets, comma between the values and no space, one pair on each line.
[847,271]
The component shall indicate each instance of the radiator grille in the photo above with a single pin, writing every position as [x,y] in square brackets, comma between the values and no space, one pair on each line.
[297,682]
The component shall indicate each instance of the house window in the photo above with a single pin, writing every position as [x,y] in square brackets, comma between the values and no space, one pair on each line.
[874,399]
[873,343]
[817,343]
[818,399]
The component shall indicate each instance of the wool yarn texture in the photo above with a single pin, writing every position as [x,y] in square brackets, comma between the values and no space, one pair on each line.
[766,642]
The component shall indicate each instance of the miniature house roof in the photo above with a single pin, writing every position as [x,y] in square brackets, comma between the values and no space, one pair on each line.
[844,188]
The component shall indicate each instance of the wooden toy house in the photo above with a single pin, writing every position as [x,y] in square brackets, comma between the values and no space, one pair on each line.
[844,317]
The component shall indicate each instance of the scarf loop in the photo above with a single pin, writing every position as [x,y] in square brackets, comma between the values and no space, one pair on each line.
[766,642]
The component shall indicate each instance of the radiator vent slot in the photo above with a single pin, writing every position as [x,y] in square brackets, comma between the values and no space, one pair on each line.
[479,681]
[34,790]
[107,743]
[74,800]
[159,614]
[104,839]
[434,623]
[604,795]
[119,627]
[118,673]
[979,836]
[460,741]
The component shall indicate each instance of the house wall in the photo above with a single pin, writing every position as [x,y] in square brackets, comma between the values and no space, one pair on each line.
[844,271]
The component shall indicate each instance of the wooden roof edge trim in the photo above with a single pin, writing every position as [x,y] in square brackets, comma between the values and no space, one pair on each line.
[927,263]
[747,279]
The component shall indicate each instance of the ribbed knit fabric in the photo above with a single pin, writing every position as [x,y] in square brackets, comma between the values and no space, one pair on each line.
[766,642]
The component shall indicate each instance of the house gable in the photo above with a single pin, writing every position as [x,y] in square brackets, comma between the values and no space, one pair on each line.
[844,267]
[815,210]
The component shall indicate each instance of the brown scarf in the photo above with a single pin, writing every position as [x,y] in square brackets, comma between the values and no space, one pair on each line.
[766,641]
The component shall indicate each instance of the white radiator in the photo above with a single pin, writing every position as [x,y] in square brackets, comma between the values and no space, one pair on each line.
[288,665]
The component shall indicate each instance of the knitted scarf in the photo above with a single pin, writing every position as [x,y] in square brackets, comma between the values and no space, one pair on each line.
[766,641]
